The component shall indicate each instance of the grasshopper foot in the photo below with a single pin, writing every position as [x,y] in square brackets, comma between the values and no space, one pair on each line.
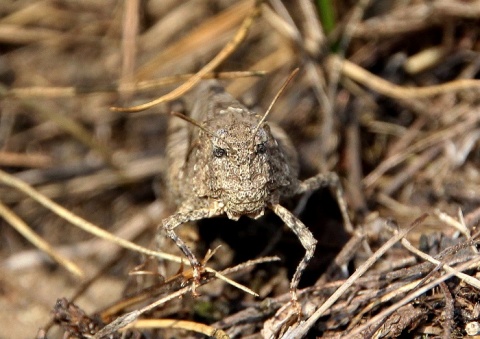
[197,276]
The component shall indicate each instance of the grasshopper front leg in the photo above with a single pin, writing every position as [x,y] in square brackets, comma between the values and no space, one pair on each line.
[307,240]
[181,217]
[332,180]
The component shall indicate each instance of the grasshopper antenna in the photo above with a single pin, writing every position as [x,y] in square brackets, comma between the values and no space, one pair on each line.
[281,90]
[192,121]
[197,124]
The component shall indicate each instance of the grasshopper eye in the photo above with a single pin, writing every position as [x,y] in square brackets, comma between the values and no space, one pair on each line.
[219,152]
[261,148]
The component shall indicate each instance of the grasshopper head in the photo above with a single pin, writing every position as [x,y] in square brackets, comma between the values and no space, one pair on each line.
[244,170]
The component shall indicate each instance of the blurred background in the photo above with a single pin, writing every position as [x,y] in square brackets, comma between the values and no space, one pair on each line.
[355,108]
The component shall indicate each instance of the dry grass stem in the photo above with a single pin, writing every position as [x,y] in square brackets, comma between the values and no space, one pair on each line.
[386,98]
[226,51]
[79,222]
[302,329]
[37,241]
[181,325]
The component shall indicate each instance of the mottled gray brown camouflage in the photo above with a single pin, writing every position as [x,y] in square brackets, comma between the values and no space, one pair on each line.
[225,169]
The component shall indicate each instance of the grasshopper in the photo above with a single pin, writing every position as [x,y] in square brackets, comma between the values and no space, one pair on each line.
[226,160]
